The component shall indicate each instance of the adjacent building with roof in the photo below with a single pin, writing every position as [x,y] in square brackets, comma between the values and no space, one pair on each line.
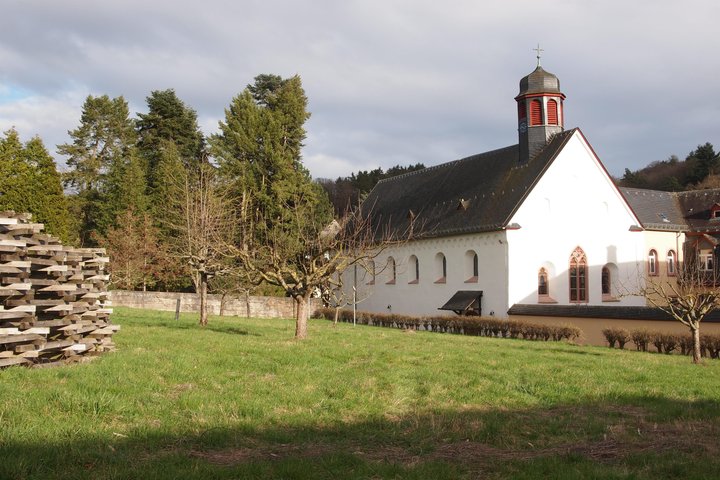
[534,229]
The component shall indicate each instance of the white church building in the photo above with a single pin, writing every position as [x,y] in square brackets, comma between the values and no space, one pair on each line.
[538,228]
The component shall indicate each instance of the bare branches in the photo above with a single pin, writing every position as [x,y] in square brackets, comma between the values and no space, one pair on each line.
[688,298]
[202,222]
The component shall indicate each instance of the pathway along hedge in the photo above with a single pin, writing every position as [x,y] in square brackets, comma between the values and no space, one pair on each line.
[662,341]
[478,326]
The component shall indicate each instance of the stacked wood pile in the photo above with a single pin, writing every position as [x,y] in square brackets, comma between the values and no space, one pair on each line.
[53,298]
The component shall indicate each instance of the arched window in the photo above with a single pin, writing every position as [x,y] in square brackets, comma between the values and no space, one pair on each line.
[392,271]
[471,267]
[578,276]
[671,263]
[605,282]
[441,268]
[522,111]
[543,286]
[371,272]
[414,270]
[652,263]
[536,117]
[607,277]
[552,112]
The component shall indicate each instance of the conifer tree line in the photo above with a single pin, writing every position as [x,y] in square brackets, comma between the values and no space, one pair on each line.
[236,212]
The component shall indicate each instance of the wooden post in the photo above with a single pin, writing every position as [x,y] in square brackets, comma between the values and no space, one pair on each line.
[177,309]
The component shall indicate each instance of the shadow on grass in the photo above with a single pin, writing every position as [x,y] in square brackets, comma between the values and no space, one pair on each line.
[184,324]
[574,352]
[633,437]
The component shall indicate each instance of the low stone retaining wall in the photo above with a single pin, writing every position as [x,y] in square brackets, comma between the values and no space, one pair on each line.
[252,306]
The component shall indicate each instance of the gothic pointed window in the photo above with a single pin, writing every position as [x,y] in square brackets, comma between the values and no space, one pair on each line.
[578,273]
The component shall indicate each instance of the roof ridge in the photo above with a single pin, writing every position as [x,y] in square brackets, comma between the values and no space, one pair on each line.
[445,164]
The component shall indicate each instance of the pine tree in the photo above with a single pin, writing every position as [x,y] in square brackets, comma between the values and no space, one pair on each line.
[168,122]
[103,142]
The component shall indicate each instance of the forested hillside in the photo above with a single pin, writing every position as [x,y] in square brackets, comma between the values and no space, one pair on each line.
[347,192]
[699,170]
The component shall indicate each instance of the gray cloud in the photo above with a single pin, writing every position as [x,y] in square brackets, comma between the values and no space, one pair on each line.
[392,81]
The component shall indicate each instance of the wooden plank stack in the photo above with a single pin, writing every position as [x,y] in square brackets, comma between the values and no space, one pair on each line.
[53,299]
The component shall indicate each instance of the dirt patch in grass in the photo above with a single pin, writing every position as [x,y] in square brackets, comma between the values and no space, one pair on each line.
[630,434]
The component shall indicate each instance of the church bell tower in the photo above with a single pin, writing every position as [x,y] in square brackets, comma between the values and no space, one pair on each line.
[540,110]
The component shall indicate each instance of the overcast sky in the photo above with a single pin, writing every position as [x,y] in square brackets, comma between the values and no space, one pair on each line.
[389,81]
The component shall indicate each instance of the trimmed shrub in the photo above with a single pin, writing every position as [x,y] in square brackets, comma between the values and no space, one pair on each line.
[641,338]
[710,344]
[477,326]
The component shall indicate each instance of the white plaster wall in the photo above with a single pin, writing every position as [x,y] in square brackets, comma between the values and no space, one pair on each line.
[574,204]
[426,296]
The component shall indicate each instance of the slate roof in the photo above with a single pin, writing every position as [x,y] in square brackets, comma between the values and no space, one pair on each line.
[676,211]
[696,205]
[656,210]
[475,194]
[539,81]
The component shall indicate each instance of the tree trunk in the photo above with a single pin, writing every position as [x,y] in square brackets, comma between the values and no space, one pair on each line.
[202,290]
[337,314]
[247,303]
[696,344]
[301,317]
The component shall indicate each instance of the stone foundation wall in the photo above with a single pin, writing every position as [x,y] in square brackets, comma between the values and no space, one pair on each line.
[252,306]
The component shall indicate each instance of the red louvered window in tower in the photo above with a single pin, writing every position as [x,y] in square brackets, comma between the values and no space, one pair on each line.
[522,112]
[552,112]
[535,113]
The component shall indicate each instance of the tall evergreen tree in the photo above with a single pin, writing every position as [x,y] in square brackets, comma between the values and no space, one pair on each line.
[15,174]
[103,142]
[49,204]
[701,162]
[30,182]
[282,212]
[168,121]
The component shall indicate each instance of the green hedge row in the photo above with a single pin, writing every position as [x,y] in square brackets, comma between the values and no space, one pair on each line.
[662,341]
[480,326]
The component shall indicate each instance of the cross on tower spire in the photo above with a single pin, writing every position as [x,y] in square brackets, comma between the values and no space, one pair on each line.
[538,50]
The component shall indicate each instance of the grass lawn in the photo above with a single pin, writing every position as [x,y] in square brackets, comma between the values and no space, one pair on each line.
[241,399]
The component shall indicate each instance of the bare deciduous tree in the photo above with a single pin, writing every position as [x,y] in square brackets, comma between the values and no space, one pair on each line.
[688,298]
[202,221]
[137,257]
[311,258]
